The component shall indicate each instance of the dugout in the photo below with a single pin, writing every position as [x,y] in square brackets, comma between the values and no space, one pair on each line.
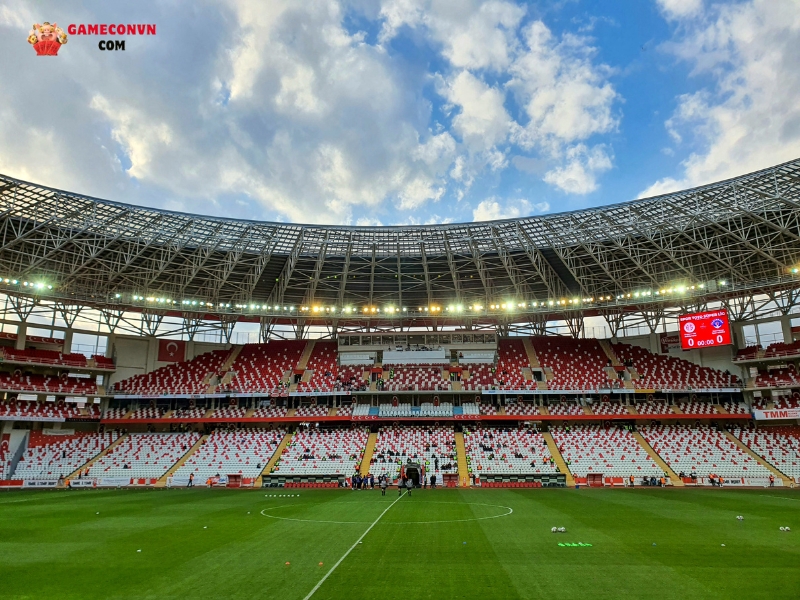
[413,471]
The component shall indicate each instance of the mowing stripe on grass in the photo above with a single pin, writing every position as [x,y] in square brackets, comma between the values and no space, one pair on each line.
[338,562]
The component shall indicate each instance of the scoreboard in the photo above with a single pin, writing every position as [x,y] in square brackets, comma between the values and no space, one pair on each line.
[705,329]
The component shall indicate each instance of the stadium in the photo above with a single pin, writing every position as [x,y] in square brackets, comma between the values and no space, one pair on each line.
[626,373]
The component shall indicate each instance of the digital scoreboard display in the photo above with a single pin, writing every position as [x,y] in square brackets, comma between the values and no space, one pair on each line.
[705,329]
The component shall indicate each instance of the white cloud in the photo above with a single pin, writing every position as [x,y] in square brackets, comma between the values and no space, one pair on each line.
[750,118]
[579,174]
[494,208]
[680,9]
[482,121]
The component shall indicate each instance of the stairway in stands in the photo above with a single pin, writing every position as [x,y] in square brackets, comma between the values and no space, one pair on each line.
[673,477]
[366,460]
[463,466]
[162,481]
[268,467]
[559,460]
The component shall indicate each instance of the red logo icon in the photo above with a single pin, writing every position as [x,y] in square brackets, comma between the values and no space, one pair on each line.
[47,39]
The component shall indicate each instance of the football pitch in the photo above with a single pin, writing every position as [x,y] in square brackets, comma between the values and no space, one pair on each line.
[271,543]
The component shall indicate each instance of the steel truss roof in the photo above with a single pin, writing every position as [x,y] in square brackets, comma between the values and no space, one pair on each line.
[745,231]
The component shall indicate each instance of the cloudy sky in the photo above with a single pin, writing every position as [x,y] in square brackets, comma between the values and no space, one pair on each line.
[400,111]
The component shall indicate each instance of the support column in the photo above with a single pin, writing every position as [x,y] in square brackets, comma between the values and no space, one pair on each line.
[67,341]
[22,334]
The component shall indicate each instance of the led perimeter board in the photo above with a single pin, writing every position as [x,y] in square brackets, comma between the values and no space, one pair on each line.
[705,329]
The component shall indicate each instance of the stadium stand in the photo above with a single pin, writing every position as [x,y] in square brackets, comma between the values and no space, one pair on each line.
[229,412]
[147,412]
[263,367]
[267,412]
[696,408]
[488,409]
[323,363]
[507,452]
[778,445]
[323,452]
[51,384]
[657,371]
[611,452]
[187,413]
[782,349]
[144,455]
[403,409]
[344,411]
[116,413]
[44,357]
[522,408]
[470,408]
[577,364]
[49,457]
[426,444]
[361,410]
[480,377]
[653,407]
[429,409]
[312,411]
[242,452]
[735,408]
[783,377]
[412,377]
[609,408]
[702,450]
[511,359]
[187,377]
[41,410]
[568,407]
[351,378]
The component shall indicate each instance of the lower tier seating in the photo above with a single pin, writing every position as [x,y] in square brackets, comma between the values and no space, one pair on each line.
[427,445]
[701,450]
[144,455]
[493,451]
[610,452]
[322,452]
[53,456]
[780,446]
[242,452]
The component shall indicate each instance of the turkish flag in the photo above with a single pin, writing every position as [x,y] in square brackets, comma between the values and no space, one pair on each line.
[171,350]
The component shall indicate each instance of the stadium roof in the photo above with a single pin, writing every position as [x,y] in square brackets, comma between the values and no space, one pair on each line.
[740,234]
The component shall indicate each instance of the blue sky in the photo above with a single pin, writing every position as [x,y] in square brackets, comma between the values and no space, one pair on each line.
[400,111]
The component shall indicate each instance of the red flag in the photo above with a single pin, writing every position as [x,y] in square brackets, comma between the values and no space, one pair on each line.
[171,350]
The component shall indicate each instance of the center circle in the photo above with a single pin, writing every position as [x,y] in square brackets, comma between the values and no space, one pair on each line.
[507,511]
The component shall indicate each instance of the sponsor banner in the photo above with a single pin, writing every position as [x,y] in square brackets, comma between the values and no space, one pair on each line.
[40,483]
[83,483]
[669,341]
[776,415]
[113,481]
[293,394]
[58,431]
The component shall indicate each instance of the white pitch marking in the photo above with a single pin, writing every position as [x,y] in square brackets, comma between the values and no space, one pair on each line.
[781,497]
[357,542]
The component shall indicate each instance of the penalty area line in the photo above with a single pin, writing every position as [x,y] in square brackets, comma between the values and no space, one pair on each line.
[338,562]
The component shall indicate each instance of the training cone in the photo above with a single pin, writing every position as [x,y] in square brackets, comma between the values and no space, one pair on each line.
[320,564]
[288,563]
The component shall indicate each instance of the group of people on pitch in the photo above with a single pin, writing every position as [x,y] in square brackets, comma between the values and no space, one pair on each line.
[362,482]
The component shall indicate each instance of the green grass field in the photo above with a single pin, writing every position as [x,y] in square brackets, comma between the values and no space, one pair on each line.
[437,544]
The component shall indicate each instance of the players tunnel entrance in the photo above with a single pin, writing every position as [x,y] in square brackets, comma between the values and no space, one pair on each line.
[414,472]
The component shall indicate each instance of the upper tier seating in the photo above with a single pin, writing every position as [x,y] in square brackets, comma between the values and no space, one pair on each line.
[323,362]
[261,367]
[187,377]
[268,412]
[697,408]
[480,377]
[53,456]
[565,408]
[488,409]
[507,452]
[229,412]
[578,364]
[403,409]
[785,402]
[344,411]
[612,452]
[425,444]
[511,359]
[312,411]
[609,408]
[104,362]
[44,357]
[351,377]
[785,377]
[188,413]
[778,445]
[361,410]
[242,452]
[147,455]
[736,408]
[414,377]
[654,407]
[79,386]
[444,410]
[42,410]
[657,371]
[749,353]
[147,412]
[704,451]
[116,413]
[522,408]
[782,349]
[321,452]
